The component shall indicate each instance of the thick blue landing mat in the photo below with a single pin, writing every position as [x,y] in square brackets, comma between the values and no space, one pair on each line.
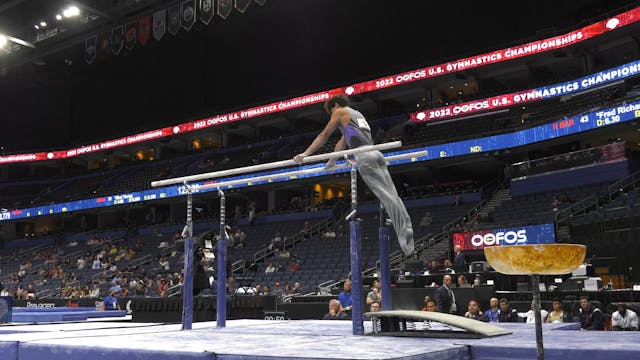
[46,315]
[309,339]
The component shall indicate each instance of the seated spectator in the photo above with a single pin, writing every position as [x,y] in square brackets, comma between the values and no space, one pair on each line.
[477,281]
[140,290]
[96,264]
[276,242]
[506,312]
[462,281]
[458,201]
[624,319]
[426,220]
[434,267]
[375,294]
[162,286]
[239,238]
[306,230]
[111,302]
[491,315]
[164,263]
[279,267]
[334,311]
[229,285]
[95,291]
[345,298]
[40,281]
[448,267]
[555,202]
[130,254]
[257,290]
[295,265]
[278,291]
[558,315]
[20,293]
[473,310]
[252,213]
[373,307]
[81,262]
[426,299]
[565,198]
[591,317]
[116,287]
[429,305]
[297,289]
[530,316]
[270,269]
[31,292]
[328,233]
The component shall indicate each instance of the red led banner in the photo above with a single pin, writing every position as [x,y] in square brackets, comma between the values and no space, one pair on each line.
[534,47]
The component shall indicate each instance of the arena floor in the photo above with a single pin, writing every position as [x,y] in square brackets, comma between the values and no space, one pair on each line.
[304,339]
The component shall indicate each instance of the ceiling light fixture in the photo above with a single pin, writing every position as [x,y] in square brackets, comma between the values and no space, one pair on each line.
[71,11]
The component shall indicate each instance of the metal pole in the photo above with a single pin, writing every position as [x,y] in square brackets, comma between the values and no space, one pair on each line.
[277,164]
[356,251]
[221,294]
[295,174]
[535,284]
[187,288]
[385,265]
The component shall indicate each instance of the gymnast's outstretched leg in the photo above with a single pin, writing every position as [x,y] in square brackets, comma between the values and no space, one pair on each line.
[374,172]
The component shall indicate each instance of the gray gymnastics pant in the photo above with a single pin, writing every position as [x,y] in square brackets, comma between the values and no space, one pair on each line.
[374,172]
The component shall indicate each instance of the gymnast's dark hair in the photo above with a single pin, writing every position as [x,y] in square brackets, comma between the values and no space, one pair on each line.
[338,99]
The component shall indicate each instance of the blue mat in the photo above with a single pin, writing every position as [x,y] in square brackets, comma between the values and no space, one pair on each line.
[9,350]
[35,351]
[53,309]
[46,315]
[296,340]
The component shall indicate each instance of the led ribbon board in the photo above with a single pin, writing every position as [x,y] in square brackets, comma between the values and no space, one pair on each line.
[494,57]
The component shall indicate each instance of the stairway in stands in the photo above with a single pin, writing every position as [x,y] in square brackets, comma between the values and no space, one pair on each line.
[498,198]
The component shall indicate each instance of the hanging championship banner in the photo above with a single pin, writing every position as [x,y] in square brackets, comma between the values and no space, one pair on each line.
[173,19]
[261,2]
[130,35]
[205,11]
[188,14]
[144,30]
[242,5]
[104,46]
[224,8]
[159,24]
[117,39]
[90,49]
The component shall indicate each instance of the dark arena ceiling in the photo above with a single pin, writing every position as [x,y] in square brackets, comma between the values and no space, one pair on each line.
[51,97]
